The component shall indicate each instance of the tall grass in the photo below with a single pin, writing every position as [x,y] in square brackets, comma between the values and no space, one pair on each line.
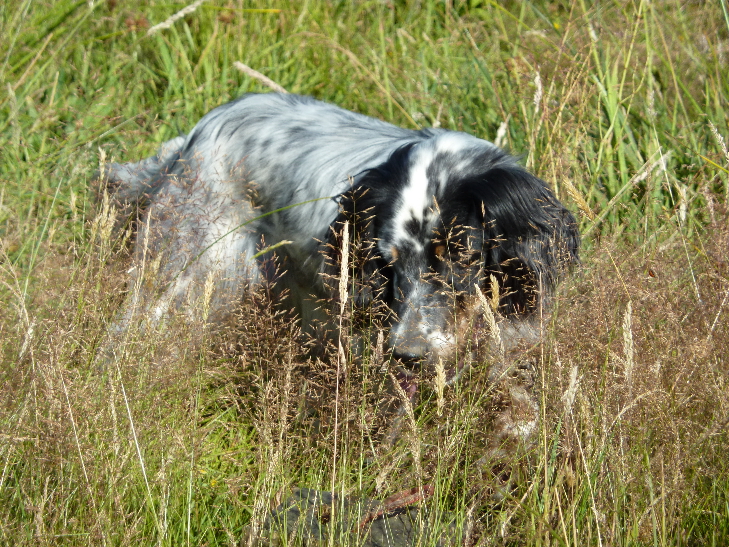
[622,107]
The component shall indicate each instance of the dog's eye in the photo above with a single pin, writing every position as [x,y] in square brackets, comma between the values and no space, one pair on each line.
[440,251]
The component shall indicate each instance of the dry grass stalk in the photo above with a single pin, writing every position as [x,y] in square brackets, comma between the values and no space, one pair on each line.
[628,347]
[720,141]
[379,352]
[494,329]
[245,69]
[440,383]
[578,198]
[344,273]
[167,23]
[568,398]
[207,295]
[501,132]
[341,355]
[27,339]
[495,293]
[538,93]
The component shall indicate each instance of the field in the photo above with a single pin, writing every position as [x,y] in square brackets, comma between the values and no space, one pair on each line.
[196,433]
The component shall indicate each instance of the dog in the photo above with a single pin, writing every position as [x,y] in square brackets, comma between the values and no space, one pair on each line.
[434,214]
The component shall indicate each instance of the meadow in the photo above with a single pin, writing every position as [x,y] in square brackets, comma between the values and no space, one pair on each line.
[196,433]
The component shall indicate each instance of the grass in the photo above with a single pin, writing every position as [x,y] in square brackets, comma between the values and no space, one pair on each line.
[622,106]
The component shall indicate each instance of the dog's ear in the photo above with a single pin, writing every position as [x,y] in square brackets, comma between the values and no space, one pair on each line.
[529,237]
[368,275]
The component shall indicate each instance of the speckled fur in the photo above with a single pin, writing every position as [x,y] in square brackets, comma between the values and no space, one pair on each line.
[443,211]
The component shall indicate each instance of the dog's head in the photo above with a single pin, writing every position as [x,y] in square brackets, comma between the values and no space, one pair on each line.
[441,217]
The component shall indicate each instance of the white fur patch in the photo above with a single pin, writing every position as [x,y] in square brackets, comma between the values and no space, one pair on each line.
[441,343]
[417,198]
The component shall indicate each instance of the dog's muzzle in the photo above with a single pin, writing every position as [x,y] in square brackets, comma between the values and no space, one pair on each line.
[422,330]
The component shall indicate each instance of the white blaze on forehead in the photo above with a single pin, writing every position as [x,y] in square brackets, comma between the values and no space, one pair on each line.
[416,198]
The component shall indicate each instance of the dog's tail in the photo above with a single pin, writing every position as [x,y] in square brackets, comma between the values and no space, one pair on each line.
[128,184]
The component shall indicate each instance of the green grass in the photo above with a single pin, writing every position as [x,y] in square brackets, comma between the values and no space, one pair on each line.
[621,106]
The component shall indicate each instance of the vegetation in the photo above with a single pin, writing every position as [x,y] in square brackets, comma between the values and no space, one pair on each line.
[622,106]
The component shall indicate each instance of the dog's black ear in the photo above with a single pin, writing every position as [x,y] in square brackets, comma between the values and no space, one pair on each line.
[529,237]
[368,206]
[368,272]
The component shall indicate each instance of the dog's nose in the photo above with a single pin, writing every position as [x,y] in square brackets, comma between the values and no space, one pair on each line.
[409,348]
[417,335]
[408,340]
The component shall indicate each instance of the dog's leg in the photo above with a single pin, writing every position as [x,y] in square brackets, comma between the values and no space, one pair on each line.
[515,377]
[514,402]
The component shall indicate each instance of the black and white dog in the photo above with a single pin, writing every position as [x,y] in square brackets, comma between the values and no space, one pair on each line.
[439,212]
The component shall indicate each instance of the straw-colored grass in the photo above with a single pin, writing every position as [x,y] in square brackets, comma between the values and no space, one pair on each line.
[196,432]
